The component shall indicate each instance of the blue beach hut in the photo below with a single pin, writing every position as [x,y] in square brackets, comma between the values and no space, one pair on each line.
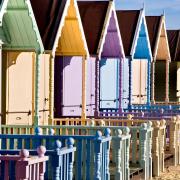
[137,66]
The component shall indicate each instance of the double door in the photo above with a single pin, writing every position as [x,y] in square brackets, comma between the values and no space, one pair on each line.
[139,81]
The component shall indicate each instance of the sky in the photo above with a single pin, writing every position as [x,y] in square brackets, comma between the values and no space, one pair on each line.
[155,7]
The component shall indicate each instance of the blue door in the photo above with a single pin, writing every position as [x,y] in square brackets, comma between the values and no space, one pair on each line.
[109,83]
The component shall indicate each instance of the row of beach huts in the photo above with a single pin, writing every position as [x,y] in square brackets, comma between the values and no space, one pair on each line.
[87,91]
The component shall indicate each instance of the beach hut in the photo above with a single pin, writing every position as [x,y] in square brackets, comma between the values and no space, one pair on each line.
[136,67]
[174,68]
[21,50]
[106,55]
[62,34]
[161,58]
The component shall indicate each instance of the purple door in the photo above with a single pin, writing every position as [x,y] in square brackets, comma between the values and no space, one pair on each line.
[68,86]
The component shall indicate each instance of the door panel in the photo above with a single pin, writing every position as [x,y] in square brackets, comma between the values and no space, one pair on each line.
[178,81]
[125,79]
[160,80]
[109,83]
[44,89]
[72,86]
[136,79]
[173,81]
[19,89]
[90,86]
[143,82]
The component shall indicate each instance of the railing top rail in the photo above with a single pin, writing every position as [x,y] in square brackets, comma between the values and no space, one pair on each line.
[62,151]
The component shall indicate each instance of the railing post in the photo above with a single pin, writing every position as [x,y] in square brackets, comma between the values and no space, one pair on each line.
[118,149]
[107,134]
[98,153]
[126,133]
[150,129]
[56,161]
[155,148]
[42,166]
[143,148]
[173,139]
[70,144]
[162,139]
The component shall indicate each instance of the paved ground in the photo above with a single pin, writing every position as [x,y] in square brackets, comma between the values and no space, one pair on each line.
[171,173]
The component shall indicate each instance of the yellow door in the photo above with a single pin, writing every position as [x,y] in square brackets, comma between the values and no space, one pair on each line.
[19,89]
[44,90]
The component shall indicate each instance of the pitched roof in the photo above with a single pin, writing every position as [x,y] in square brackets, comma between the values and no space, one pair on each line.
[48,15]
[174,44]
[153,23]
[93,15]
[128,20]
[18,29]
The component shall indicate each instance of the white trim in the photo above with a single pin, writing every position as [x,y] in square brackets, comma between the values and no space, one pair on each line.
[59,31]
[135,39]
[166,38]
[3,10]
[58,35]
[162,24]
[119,32]
[35,26]
[81,28]
[110,11]
[141,20]
[148,40]
[104,30]
[157,39]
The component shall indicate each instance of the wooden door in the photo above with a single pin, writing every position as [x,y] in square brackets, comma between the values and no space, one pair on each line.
[125,80]
[19,89]
[72,86]
[109,83]
[173,82]
[136,81]
[90,86]
[160,80]
[178,81]
[143,81]
[44,90]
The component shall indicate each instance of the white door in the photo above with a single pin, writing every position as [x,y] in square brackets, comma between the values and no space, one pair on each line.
[143,82]
[136,80]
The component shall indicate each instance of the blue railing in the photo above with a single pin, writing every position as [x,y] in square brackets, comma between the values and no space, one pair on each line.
[139,112]
[60,164]
[91,157]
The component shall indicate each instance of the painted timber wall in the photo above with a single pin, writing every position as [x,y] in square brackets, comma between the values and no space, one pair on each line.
[44,89]
[91,65]
[136,67]
[141,68]
[112,57]
[174,46]
[178,81]
[70,66]
[161,58]
[19,33]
